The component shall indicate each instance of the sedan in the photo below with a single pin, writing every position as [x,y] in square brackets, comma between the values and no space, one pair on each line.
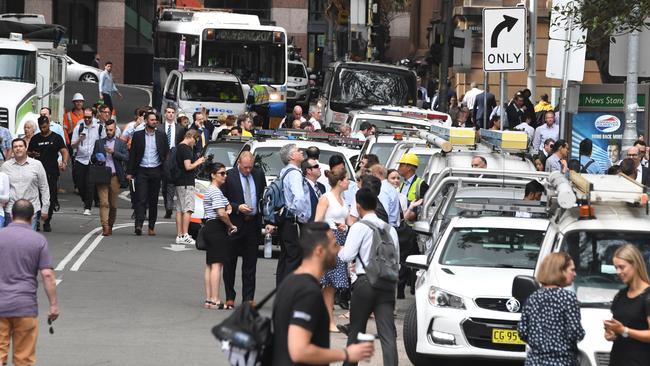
[81,72]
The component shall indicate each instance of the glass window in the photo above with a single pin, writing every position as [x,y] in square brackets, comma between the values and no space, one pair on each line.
[596,282]
[138,19]
[222,152]
[18,66]
[359,88]
[261,8]
[80,17]
[382,150]
[265,62]
[297,70]
[317,10]
[212,91]
[492,247]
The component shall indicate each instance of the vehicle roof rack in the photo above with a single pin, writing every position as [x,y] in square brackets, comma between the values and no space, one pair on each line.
[508,141]
[429,137]
[506,205]
[293,134]
[597,188]
[457,136]
[233,138]
[208,69]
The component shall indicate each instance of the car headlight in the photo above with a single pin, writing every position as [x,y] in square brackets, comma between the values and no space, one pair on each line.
[275,97]
[444,299]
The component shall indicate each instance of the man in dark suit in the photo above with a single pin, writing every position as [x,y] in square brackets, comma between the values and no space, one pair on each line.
[174,133]
[311,171]
[115,153]
[201,125]
[478,111]
[244,188]
[148,153]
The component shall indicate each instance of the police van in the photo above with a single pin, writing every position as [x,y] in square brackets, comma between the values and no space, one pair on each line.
[216,91]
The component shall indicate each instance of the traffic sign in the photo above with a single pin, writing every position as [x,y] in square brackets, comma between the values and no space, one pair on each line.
[504,39]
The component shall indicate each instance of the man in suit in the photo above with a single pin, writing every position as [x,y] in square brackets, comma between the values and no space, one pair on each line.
[148,153]
[174,133]
[311,171]
[244,188]
[641,171]
[204,131]
[115,152]
[478,111]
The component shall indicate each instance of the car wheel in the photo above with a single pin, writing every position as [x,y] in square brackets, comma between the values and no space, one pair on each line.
[411,338]
[88,77]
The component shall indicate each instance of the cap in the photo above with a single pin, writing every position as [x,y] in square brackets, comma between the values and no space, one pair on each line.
[78,96]
[410,159]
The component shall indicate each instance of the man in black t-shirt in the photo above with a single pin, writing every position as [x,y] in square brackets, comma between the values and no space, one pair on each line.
[300,318]
[185,185]
[46,147]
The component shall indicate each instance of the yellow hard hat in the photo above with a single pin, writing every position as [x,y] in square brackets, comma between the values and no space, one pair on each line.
[410,159]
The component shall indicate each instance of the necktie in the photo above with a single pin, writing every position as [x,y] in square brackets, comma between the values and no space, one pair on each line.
[248,200]
[317,191]
[169,135]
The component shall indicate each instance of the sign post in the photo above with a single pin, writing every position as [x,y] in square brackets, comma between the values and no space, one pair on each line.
[504,45]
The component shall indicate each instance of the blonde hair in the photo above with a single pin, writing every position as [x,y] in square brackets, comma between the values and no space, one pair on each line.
[633,256]
[335,176]
[551,271]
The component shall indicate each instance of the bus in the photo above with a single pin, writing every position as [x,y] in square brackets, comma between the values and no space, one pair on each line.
[222,40]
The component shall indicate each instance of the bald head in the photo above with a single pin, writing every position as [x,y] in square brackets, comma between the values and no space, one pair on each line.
[245,163]
[297,112]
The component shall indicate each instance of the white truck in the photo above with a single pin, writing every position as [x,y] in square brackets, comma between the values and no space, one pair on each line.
[32,73]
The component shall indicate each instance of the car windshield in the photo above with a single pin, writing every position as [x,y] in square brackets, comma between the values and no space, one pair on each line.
[492,247]
[382,150]
[424,161]
[218,91]
[297,71]
[223,152]
[364,87]
[268,159]
[596,282]
[383,124]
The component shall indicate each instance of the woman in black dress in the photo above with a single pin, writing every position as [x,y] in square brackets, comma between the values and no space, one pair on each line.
[217,228]
[630,327]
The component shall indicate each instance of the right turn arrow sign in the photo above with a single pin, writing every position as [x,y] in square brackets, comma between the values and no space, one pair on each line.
[504,39]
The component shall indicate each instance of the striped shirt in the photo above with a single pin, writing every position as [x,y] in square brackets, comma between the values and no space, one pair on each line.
[213,200]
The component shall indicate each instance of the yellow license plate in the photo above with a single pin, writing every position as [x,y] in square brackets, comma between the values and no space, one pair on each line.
[506,336]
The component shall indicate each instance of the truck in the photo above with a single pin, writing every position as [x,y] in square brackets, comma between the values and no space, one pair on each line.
[32,73]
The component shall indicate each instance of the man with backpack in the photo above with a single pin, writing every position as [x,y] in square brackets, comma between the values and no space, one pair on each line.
[182,159]
[587,164]
[84,136]
[375,246]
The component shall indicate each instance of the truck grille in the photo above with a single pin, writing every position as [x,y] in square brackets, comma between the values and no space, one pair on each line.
[478,332]
[602,359]
[495,304]
[4,117]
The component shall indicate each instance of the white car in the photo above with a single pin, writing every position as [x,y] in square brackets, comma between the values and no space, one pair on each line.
[463,304]
[297,85]
[80,72]
[387,116]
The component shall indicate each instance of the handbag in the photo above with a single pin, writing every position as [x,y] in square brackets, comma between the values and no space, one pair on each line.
[99,174]
[200,242]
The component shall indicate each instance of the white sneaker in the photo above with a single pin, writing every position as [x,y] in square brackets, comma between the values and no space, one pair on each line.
[87,212]
[187,240]
[179,239]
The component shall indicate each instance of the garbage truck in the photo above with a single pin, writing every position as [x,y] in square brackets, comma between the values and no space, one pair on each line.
[32,73]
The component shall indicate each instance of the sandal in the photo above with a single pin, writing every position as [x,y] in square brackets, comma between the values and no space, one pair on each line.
[207,304]
[217,305]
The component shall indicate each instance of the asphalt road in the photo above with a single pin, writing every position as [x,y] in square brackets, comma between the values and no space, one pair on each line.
[128,300]
[134,96]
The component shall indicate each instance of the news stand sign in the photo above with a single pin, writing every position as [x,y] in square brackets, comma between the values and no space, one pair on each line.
[504,39]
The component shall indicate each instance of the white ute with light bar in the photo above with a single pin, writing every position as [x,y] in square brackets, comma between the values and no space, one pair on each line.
[611,211]
[392,116]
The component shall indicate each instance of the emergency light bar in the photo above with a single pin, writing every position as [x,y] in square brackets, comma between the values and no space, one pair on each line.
[455,135]
[410,112]
[429,137]
[505,205]
[505,140]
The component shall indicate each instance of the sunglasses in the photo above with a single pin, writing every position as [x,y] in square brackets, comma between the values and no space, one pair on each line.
[49,322]
[223,174]
[314,166]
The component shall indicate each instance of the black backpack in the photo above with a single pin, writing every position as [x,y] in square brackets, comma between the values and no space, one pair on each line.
[248,336]
[170,167]
[583,168]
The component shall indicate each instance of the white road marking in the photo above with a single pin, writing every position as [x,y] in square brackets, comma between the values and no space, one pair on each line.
[57,281]
[77,248]
[177,247]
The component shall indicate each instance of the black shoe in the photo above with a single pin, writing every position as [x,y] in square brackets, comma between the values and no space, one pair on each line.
[138,231]
[47,227]
[168,214]
[344,328]
[343,304]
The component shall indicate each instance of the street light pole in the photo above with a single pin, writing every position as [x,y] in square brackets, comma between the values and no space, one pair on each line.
[631,87]
[447,16]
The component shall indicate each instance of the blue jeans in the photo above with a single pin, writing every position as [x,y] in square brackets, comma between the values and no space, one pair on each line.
[6,220]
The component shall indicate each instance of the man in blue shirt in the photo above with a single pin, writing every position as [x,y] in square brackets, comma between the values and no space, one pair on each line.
[107,86]
[298,205]
[587,164]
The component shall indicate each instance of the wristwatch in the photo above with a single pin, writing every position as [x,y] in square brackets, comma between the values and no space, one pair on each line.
[625,333]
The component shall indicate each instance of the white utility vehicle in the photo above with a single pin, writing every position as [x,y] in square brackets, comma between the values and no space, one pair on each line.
[388,116]
[297,85]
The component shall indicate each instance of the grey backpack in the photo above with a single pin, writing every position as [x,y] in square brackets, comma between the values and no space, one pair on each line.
[382,268]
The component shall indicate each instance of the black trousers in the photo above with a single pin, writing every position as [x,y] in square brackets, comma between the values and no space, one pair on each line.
[168,190]
[108,101]
[366,300]
[53,185]
[147,186]
[86,190]
[245,246]
[290,250]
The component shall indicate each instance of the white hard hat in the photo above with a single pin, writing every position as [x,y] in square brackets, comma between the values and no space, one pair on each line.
[78,96]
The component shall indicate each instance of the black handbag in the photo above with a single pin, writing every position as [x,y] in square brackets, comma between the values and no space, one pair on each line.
[200,242]
[99,174]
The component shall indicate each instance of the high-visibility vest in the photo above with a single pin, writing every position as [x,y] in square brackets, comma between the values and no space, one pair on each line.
[260,94]
[413,193]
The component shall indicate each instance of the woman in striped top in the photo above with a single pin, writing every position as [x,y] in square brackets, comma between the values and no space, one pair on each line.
[217,228]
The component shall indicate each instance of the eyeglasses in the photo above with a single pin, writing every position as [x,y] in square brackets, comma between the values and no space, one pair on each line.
[223,174]
[49,322]
[314,166]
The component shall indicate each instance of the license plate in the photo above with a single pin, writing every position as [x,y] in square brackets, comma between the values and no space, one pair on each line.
[506,336]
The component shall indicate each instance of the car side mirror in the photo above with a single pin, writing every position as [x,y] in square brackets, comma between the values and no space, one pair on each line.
[523,287]
[418,261]
[422,227]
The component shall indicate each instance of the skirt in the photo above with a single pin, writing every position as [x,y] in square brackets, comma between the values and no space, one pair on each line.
[216,238]
[337,277]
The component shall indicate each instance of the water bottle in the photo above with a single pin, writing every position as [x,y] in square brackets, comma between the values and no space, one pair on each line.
[268,246]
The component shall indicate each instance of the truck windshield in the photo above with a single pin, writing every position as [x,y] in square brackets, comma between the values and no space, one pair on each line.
[212,91]
[357,88]
[297,70]
[18,65]
[596,282]
[493,247]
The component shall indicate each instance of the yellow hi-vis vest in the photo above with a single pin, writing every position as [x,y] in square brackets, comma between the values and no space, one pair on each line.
[260,94]
[413,193]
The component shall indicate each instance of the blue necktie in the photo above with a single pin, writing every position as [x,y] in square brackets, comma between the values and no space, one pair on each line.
[169,135]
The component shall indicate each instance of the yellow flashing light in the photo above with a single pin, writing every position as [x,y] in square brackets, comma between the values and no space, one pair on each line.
[457,136]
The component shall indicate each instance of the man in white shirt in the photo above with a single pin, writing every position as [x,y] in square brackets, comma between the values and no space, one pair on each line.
[366,299]
[471,94]
[296,114]
[549,130]
[315,116]
[84,135]
[365,130]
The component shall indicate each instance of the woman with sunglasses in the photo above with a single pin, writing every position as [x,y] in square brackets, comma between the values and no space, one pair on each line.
[217,227]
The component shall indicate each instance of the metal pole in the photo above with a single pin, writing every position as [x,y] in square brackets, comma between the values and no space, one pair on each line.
[532,72]
[631,87]
[371,42]
[486,87]
[503,98]
[349,37]
[565,77]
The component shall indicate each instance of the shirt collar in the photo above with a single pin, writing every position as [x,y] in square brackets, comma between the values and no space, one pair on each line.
[371,215]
